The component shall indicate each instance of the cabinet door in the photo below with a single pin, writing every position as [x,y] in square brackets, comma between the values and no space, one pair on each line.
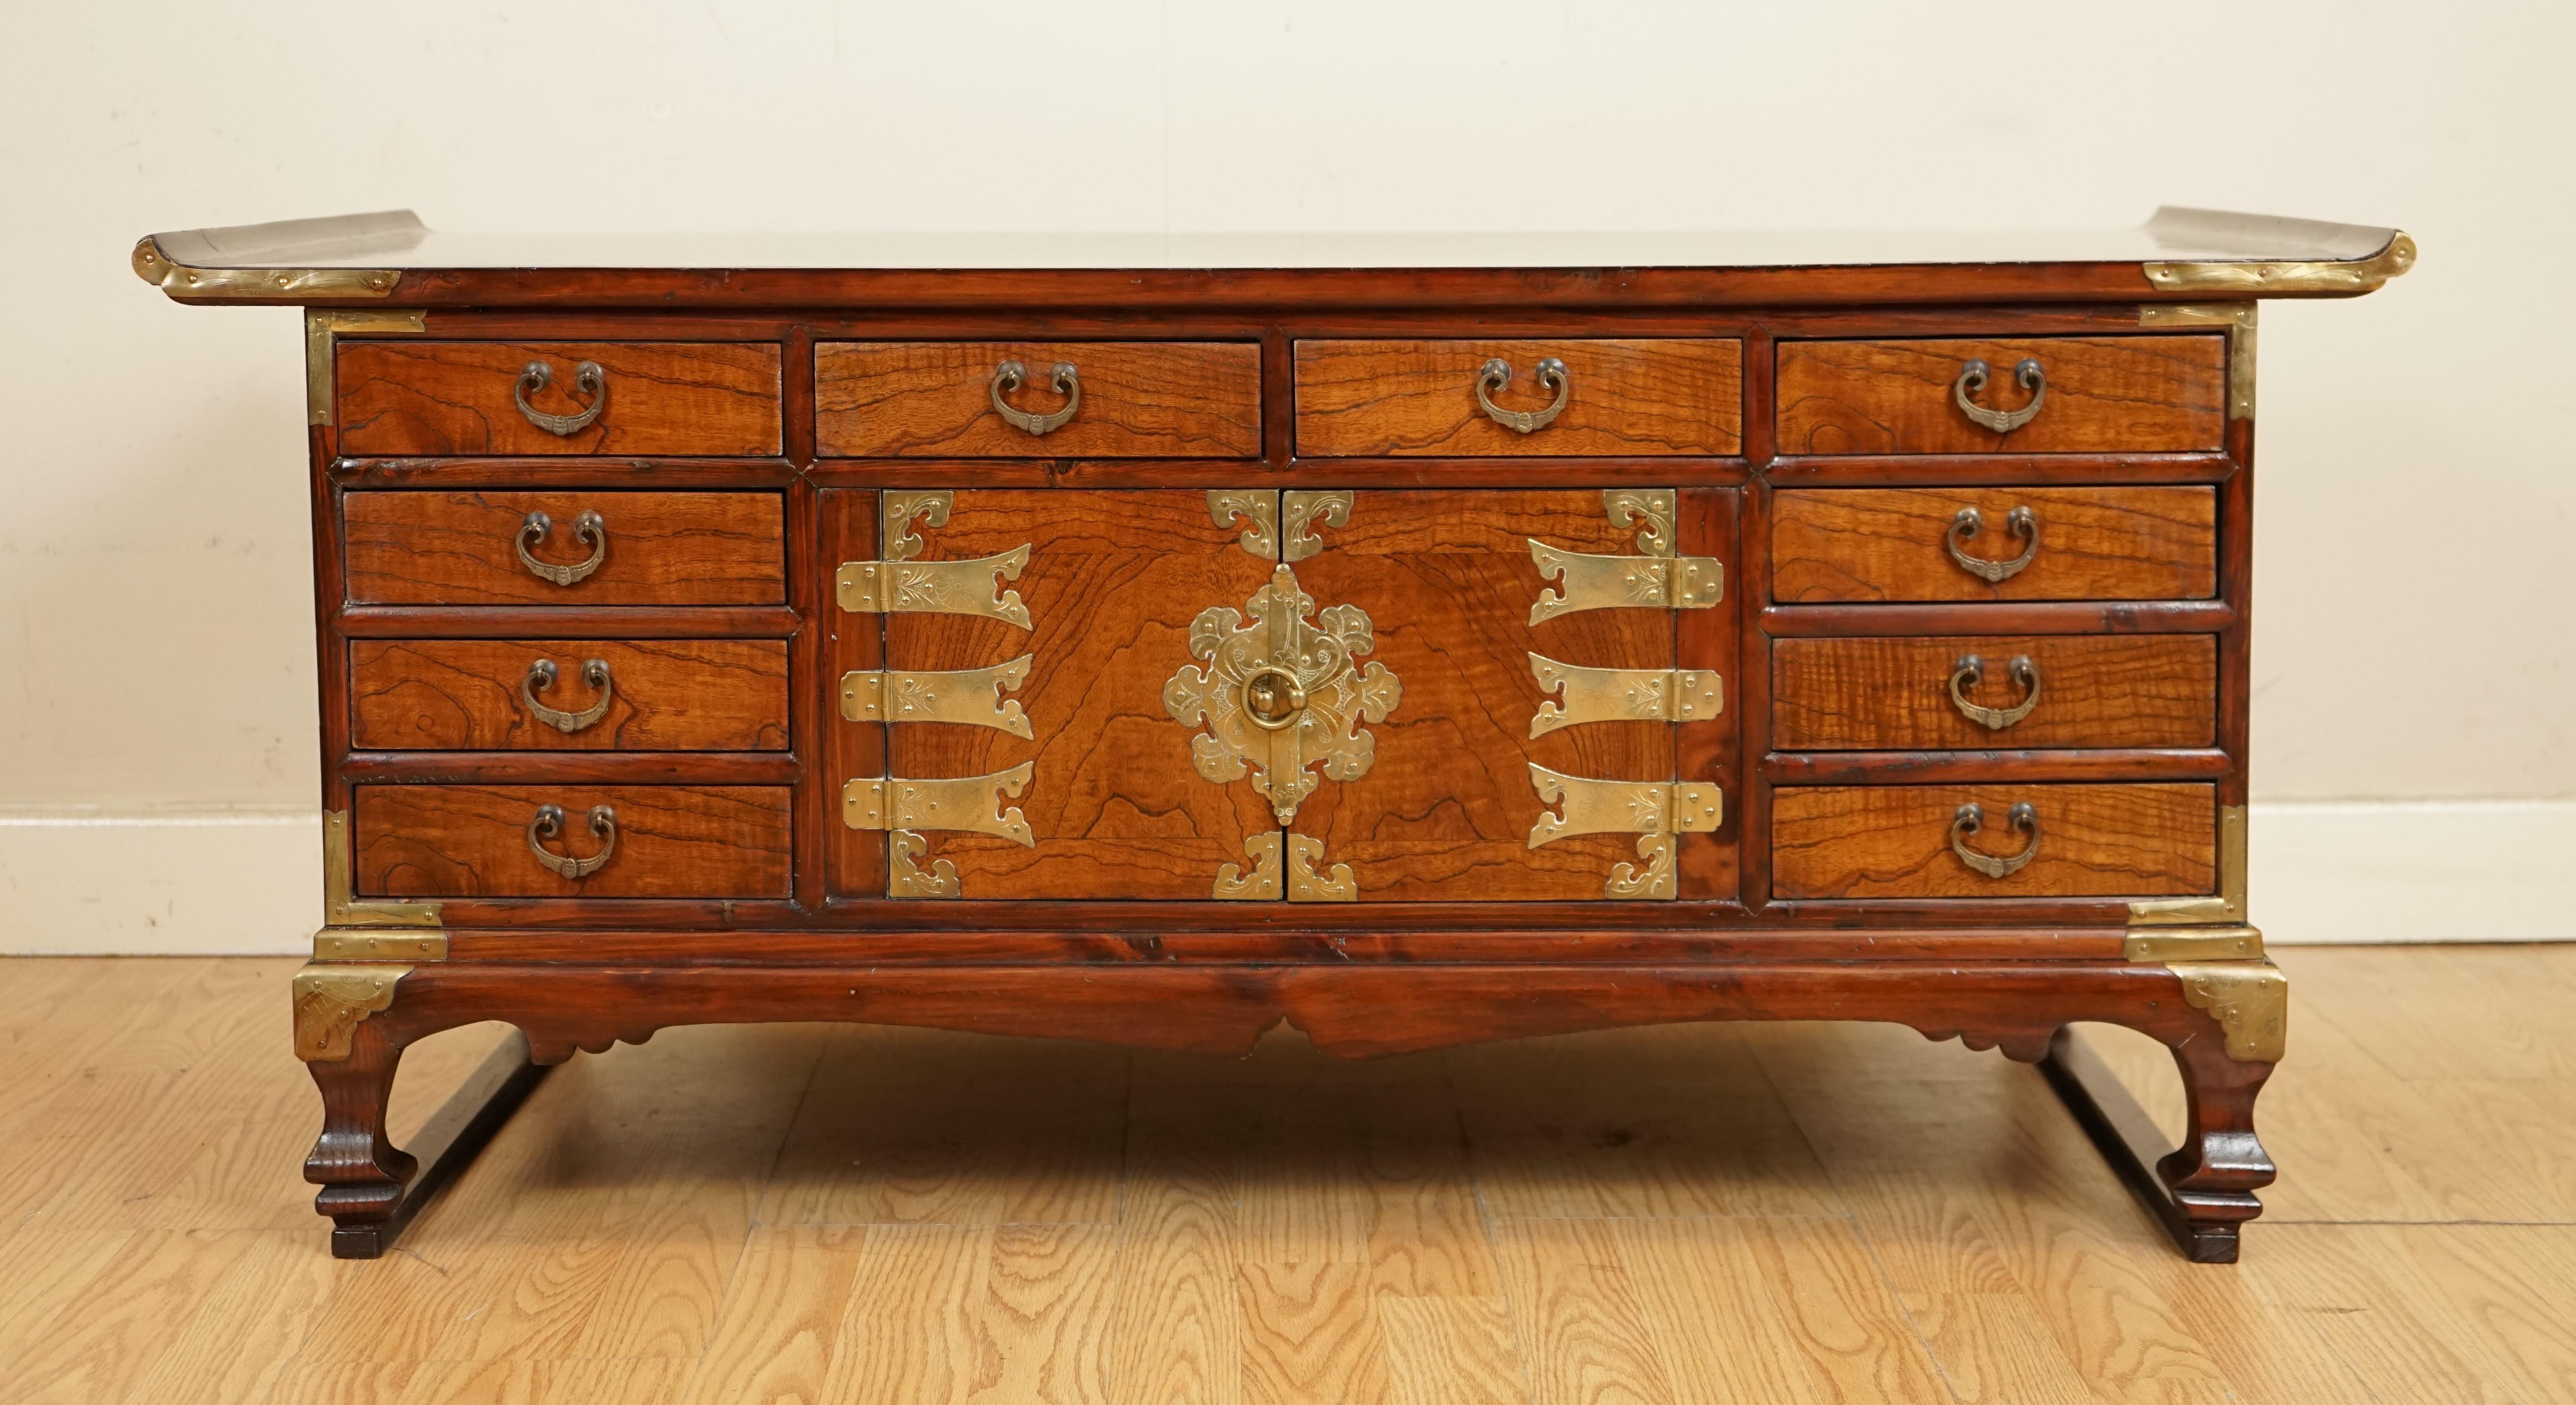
[1111,803]
[1453,586]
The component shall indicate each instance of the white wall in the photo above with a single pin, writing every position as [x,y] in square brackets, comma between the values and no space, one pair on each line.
[2417,639]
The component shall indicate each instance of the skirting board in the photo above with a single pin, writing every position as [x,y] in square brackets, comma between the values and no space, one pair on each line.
[245,882]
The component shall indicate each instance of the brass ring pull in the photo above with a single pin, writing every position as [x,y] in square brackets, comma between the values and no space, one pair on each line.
[587,378]
[2020,522]
[549,822]
[1497,373]
[541,674]
[1068,383]
[588,527]
[1972,670]
[1272,698]
[1972,378]
[1971,817]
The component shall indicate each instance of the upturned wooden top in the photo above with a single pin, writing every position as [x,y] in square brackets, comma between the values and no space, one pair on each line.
[392,258]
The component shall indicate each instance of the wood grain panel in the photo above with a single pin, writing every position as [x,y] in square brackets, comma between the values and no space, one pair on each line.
[2117,394]
[1891,544]
[2146,840]
[460,397]
[1112,583]
[666,694]
[1894,694]
[1647,396]
[1446,808]
[1139,400]
[663,548]
[436,841]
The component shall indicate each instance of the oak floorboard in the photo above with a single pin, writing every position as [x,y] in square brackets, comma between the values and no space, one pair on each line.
[1683,1214]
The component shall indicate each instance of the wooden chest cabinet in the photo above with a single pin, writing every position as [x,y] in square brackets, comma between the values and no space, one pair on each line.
[1419,648]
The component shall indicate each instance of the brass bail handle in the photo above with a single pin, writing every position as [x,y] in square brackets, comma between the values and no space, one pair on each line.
[541,675]
[1971,817]
[588,378]
[588,527]
[1068,383]
[1497,373]
[1971,671]
[2021,522]
[1972,378]
[1272,698]
[548,822]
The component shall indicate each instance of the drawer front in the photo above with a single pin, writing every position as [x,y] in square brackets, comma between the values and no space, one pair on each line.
[408,548]
[474,841]
[1128,400]
[568,695]
[1895,544]
[1902,841]
[2102,395]
[466,397]
[2073,690]
[1619,398]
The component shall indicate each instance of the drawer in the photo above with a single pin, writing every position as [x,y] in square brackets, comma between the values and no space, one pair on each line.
[487,397]
[1615,398]
[1127,400]
[1896,544]
[1903,841]
[659,841]
[2076,690]
[2099,395]
[568,695]
[406,548]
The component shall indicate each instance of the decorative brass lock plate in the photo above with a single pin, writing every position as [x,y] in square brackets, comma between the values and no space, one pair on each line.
[1280,694]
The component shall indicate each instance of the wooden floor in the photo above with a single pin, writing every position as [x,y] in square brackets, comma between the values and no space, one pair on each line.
[1697,1213]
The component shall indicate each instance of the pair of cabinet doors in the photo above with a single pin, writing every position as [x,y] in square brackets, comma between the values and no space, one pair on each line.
[1440,695]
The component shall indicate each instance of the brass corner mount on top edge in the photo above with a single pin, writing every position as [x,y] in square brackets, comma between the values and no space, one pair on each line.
[2279,278]
[269,284]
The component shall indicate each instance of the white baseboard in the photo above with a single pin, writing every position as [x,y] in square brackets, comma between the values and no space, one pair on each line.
[221,882]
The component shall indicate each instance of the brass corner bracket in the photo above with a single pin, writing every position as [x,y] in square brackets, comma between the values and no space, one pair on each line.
[330,1003]
[2229,904]
[323,328]
[269,284]
[340,905]
[2276,279]
[2249,999]
[2240,319]
[1309,881]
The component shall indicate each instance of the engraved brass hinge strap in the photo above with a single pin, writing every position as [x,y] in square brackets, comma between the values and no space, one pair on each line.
[330,1001]
[340,906]
[323,328]
[970,697]
[935,587]
[2229,904]
[1623,695]
[2239,318]
[1655,580]
[968,803]
[1622,807]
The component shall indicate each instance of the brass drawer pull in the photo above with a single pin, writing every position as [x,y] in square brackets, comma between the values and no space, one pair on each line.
[2021,522]
[541,674]
[587,378]
[1972,670]
[1972,817]
[1497,373]
[589,527]
[1973,377]
[549,822]
[1068,383]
